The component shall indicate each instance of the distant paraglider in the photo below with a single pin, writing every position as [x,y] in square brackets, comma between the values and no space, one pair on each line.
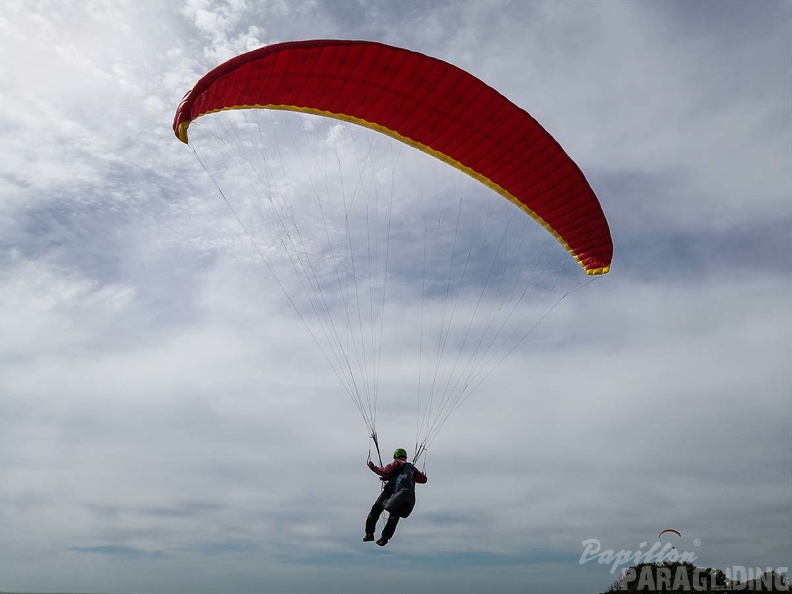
[670,530]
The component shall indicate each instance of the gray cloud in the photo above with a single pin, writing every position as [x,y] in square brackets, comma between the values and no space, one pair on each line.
[168,425]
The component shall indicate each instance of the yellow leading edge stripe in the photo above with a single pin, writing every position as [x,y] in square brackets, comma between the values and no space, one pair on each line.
[421,147]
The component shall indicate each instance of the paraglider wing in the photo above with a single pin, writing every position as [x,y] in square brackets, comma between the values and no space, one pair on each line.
[670,530]
[426,103]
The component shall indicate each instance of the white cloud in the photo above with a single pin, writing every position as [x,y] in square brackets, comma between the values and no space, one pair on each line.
[46,312]
[163,414]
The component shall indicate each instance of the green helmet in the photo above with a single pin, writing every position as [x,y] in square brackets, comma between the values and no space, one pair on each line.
[400,453]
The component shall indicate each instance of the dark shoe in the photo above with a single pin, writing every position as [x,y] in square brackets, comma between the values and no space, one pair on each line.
[382,542]
[368,538]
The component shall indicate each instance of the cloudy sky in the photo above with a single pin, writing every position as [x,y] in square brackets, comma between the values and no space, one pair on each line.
[167,424]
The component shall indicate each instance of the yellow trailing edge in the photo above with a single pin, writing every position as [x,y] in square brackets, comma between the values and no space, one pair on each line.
[421,147]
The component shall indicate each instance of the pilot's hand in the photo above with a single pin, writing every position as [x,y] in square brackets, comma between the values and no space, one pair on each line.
[371,465]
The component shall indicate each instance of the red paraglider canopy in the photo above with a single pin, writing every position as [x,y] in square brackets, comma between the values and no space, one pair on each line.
[671,530]
[426,103]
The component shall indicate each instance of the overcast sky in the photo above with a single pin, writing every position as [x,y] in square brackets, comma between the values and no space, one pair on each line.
[167,424]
